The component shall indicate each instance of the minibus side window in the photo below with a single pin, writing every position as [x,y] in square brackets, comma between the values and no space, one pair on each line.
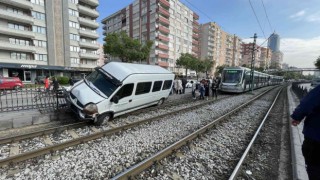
[125,91]
[167,85]
[156,86]
[143,88]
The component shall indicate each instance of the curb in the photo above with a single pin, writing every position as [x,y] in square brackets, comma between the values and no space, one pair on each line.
[296,136]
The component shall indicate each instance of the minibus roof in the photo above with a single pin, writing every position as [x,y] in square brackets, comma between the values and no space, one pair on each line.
[121,70]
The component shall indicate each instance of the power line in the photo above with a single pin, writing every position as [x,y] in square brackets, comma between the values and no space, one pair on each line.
[265,11]
[257,19]
[205,14]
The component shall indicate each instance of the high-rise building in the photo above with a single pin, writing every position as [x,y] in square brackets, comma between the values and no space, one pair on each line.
[171,25]
[47,37]
[247,55]
[274,42]
[219,46]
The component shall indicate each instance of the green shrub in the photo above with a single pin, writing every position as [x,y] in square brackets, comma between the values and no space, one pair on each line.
[63,80]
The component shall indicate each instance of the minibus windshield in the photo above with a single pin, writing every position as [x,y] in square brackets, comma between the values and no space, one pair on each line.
[100,81]
[232,76]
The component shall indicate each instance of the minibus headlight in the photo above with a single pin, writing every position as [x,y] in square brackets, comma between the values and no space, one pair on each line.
[90,109]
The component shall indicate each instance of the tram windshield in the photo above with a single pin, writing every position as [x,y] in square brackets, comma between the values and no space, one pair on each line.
[231,76]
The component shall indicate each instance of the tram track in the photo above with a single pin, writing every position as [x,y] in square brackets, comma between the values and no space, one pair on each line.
[79,140]
[96,133]
[134,172]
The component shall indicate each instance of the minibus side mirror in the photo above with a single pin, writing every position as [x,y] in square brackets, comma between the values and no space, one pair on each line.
[115,99]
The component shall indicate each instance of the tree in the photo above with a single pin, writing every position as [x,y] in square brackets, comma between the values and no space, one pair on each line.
[317,63]
[219,69]
[186,60]
[208,65]
[127,49]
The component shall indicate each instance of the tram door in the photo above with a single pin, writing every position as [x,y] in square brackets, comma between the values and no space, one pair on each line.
[27,76]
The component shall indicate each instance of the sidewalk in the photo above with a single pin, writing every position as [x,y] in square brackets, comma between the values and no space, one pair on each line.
[298,164]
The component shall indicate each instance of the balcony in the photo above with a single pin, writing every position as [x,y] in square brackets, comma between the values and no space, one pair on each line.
[90,66]
[89,34]
[195,23]
[164,21]
[195,49]
[87,11]
[163,29]
[195,16]
[16,17]
[88,22]
[19,3]
[94,3]
[88,56]
[89,45]
[164,12]
[163,64]
[6,45]
[195,36]
[163,47]
[163,38]
[196,30]
[195,42]
[164,3]
[162,55]
[16,32]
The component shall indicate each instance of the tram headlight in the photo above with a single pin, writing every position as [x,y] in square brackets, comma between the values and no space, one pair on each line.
[90,109]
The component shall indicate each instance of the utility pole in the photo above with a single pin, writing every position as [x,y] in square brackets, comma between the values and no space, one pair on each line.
[252,60]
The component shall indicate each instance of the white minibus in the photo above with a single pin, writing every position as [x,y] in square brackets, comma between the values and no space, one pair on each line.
[118,88]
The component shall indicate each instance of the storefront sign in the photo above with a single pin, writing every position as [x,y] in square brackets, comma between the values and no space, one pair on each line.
[28,66]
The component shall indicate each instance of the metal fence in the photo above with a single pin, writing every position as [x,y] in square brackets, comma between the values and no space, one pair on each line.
[300,91]
[31,97]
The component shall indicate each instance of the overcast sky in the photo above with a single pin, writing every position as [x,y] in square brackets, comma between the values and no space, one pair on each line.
[296,21]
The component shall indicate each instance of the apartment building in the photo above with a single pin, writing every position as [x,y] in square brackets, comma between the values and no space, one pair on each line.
[219,46]
[276,60]
[265,59]
[247,55]
[171,25]
[47,37]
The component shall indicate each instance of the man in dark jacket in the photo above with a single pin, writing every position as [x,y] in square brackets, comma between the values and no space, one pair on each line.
[184,83]
[309,108]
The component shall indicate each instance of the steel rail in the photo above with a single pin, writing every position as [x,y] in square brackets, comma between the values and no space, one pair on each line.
[80,140]
[136,169]
[43,132]
[11,139]
[239,165]
[49,149]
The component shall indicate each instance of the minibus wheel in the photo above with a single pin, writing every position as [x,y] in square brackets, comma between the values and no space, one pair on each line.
[103,119]
[160,102]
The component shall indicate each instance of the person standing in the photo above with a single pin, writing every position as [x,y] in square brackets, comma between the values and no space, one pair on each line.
[55,84]
[214,88]
[179,86]
[71,82]
[206,87]
[193,89]
[47,84]
[184,83]
[309,109]
[201,90]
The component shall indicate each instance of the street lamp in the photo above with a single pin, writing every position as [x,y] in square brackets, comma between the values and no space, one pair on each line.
[252,61]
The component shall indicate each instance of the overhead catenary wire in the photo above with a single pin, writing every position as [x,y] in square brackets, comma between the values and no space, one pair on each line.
[254,12]
[265,11]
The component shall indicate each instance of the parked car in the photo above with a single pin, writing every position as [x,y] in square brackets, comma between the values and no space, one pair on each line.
[11,83]
[315,82]
[39,80]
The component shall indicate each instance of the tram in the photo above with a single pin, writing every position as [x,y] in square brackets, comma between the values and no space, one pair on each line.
[237,79]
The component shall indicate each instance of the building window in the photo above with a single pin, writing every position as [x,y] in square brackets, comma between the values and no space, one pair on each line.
[40,57]
[40,43]
[39,29]
[38,2]
[16,11]
[74,24]
[73,13]
[74,37]
[73,1]
[17,26]
[75,60]
[19,55]
[74,48]
[19,41]
[38,15]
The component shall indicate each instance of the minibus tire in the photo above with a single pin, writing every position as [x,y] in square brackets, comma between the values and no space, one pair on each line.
[160,102]
[103,119]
